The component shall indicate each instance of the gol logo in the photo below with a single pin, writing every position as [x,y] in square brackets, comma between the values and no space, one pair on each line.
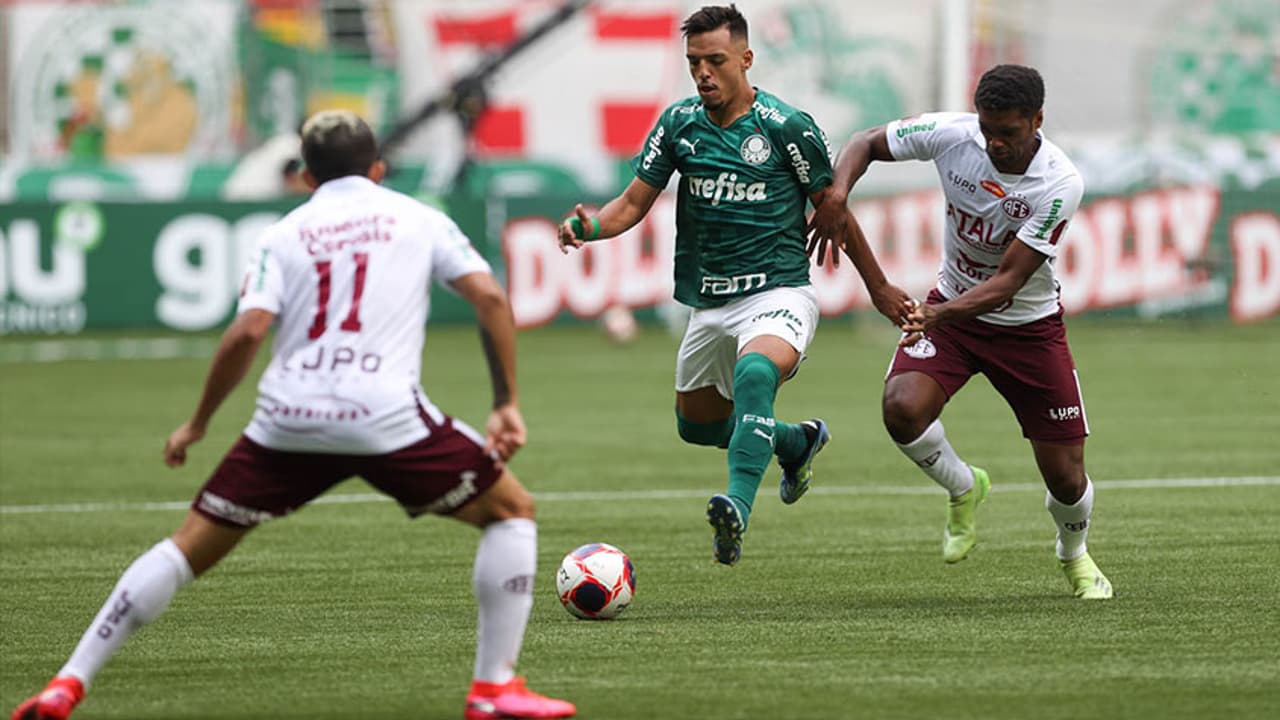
[992,187]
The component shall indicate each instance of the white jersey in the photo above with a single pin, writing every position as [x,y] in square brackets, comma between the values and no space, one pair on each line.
[348,275]
[988,209]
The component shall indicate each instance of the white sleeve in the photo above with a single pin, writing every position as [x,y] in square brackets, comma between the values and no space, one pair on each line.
[262,286]
[1048,221]
[925,137]
[452,254]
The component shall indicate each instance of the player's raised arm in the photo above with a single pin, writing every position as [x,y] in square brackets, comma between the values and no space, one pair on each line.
[505,431]
[616,217]
[827,222]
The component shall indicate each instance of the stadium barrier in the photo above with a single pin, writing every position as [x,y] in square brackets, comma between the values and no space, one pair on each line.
[64,268]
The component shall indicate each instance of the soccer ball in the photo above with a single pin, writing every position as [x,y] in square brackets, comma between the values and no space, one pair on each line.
[596,582]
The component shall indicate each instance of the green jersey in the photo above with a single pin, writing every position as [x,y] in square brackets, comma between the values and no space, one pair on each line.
[740,208]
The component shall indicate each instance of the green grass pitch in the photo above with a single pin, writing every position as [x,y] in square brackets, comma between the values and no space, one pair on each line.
[840,608]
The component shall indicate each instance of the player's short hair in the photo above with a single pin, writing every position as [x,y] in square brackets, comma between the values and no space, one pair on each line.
[714,17]
[337,143]
[1010,87]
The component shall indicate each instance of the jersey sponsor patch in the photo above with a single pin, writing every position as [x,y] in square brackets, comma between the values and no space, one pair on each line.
[1055,209]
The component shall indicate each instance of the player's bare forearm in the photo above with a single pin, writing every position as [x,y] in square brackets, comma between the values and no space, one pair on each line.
[497,331]
[500,355]
[826,225]
[986,297]
[859,251]
[1018,265]
[856,156]
[231,362]
[616,217]
[623,212]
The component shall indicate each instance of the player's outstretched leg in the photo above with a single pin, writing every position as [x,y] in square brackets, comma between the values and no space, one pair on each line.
[142,594]
[1086,580]
[55,702]
[798,474]
[728,522]
[967,486]
[961,533]
[503,577]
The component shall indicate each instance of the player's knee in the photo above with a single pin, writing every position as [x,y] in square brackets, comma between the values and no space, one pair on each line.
[902,418]
[752,371]
[519,504]
[506,500]
[1067,484]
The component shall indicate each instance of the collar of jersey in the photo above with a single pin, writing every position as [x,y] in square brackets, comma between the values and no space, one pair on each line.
[346,184]
[750,113]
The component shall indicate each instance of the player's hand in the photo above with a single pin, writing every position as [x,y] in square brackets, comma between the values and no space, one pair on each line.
[893,302]
[505,432]
[826,230]
[175,448]
[920,319]
[566,236]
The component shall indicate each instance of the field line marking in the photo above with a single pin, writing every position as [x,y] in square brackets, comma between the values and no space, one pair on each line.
[923,488]
[123,348]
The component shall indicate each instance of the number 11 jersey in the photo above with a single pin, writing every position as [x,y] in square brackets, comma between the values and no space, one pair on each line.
[348,274]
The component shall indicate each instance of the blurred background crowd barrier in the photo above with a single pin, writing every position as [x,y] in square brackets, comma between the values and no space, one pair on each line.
[143,144]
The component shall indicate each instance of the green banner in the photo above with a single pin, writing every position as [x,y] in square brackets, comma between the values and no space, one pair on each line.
[84,265]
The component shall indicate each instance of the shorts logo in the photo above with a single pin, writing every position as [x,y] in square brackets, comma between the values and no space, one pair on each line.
[756,149]
[1016,207]
[1063,414]
[220,507]
[922,350]
[460,493]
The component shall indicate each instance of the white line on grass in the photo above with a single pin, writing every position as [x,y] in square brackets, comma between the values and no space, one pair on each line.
[576,496]
[124,348]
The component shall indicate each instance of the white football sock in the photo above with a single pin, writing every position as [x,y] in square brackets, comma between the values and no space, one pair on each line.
[503,581]
[142,593]
[1072,521]
[938,460]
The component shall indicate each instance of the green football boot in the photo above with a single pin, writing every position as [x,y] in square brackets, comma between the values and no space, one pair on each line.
[726,520]
[961,534]
[1087,581]
[796,478]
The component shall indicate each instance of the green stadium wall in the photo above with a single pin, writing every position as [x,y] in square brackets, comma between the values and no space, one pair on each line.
[76,266]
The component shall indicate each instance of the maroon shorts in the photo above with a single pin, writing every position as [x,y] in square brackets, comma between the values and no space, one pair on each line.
[437,474]
[1029,365]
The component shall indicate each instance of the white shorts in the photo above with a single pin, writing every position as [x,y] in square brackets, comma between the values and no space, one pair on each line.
[716,335]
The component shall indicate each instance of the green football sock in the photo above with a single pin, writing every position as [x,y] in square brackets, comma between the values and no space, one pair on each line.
[755,384]
[790,443]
